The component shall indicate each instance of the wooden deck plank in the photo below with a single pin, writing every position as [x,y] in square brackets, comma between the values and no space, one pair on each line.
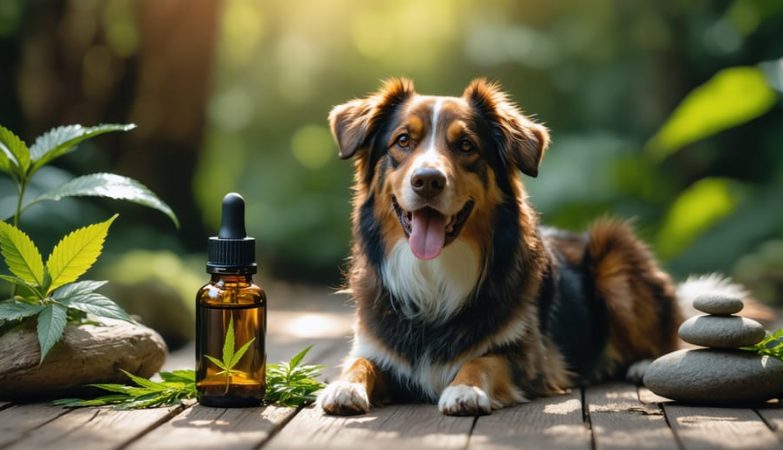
[620,421]
[553,422]
[773,416]
[96,428]
[396,426]
[201,427]
[648,397]
[719,428]
[19,420]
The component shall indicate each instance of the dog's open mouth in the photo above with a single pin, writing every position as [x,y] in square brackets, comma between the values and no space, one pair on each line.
[428,230]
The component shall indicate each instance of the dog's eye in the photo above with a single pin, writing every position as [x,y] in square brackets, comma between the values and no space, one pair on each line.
[465,146]
[404,140]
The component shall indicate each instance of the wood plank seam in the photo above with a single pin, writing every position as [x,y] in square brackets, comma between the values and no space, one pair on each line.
[677,439]
[769,425]
[586,418]
[27,433]
[277,429]
[172,414]
[659,405]
[470,433]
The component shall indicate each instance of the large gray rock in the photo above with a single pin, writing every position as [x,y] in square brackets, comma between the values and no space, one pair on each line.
[710,376]
[86,354]
[718,304]
[721,331]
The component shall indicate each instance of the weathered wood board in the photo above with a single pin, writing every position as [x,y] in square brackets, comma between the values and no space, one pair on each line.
[720,428]
[396,426]
[200,427]
[620,421]
[553,422]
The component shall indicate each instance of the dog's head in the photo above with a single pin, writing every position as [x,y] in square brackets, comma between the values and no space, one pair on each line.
[437,166]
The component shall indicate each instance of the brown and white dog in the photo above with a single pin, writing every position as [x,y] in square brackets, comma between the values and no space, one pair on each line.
[461,297]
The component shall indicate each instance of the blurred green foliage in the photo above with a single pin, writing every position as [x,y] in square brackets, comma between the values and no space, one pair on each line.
[654,109]
[668,112]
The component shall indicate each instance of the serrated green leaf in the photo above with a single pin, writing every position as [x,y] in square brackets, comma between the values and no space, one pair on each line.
[228,344]
[241,352]
[51,323]
[78,288]
[216,362]
[147,401]
[6,165]
[13,310]
[109,186]
[144,382]
[113,387]
[296,359]
[183,375]
[62,140]
[19,282]
[96,304]
[77,252]
[21,255]
[18,149]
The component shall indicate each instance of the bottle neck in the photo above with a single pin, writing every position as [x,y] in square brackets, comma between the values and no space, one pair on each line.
[232,278]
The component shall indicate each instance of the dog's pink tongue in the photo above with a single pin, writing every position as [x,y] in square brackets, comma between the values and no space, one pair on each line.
[428,233]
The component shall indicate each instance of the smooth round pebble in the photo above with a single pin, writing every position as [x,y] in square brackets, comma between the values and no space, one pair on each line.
[718,304]
[710,376]
[721,331]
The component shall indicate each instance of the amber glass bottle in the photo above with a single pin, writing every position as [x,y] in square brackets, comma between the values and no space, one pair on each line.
[231,318]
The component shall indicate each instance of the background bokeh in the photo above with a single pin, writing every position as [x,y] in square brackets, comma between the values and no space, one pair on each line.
[668,112]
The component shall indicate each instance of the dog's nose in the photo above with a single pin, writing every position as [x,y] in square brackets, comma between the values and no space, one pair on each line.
[428,182]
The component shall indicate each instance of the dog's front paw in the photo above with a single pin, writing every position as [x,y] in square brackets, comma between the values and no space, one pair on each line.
[342,398]
[464,400]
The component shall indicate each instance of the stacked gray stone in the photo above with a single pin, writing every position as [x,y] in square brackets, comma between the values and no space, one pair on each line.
[720,373]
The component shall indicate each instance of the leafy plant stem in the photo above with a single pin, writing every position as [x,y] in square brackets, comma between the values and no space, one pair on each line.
[22,187]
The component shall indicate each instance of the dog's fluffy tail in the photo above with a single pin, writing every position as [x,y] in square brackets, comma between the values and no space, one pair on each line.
[714,283]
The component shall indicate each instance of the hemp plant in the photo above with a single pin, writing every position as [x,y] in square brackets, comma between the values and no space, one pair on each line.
[50,293]
[291,384]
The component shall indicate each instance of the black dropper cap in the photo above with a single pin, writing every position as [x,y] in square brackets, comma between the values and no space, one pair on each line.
[231,251]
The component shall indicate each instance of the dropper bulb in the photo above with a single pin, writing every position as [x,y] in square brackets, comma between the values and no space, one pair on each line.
[232,222]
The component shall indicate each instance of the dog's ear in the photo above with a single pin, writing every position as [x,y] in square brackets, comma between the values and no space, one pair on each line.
[354,123]
[522,142]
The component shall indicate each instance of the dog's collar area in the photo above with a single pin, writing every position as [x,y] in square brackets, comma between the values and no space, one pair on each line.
[453,226]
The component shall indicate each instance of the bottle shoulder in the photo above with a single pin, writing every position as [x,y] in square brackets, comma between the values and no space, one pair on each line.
[222,292]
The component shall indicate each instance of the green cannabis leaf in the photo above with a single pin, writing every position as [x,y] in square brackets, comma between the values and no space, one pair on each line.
[287,384]
[230,359]
[293,384]
[176,386]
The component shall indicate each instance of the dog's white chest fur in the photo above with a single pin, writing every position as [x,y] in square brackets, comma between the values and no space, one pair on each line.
[431,290]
